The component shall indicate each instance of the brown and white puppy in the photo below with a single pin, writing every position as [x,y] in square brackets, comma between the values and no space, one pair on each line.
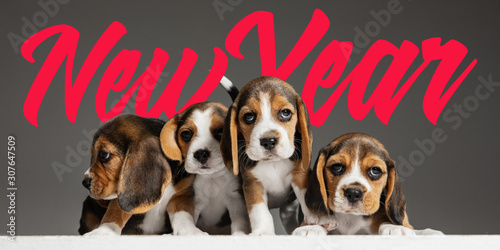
[267,140]
[127,176]
[355,189]
[210,193]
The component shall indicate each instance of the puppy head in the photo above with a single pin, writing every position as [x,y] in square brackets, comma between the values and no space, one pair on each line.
[354,175]
[193,136]
[127,163]
[267,121]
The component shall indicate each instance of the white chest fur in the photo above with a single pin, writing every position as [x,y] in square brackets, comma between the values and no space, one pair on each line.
[276,177]
[154,219]
[212,194]
[351,224]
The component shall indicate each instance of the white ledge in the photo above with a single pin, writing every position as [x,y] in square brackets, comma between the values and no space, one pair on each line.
[253,242]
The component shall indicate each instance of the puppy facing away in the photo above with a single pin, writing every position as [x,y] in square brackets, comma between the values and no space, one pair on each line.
[267,140]
[211,199]
[354,188]
[126,179]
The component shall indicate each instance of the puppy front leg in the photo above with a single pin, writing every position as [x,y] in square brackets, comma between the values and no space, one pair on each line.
[299,186]
[261,220]
[391,229]
[181,208]
[113,221]
[238,214]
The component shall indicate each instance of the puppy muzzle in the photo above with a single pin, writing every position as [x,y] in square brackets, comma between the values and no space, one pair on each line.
[269,143]
[353,194]
[87,182]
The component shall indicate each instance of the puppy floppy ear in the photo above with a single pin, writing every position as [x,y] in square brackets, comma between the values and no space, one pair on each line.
[305,133]
[316,195]
[144,176]
[169,142]
[395,203]
[229,140]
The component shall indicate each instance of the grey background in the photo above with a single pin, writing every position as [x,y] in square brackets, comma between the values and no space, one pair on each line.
[454,190]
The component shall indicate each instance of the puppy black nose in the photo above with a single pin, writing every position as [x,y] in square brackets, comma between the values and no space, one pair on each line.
[353,194]
[269,142]
[202,155]
[86,183]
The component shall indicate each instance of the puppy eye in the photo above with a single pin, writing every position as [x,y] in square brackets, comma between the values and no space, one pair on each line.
[104,156]
[375,173]
[249,118]
[186,135]
[218,133]
[337,169]
[285,115]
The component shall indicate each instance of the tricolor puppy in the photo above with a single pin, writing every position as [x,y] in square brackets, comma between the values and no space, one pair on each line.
[211,196]
[127,178]
[354,188]
[267,139]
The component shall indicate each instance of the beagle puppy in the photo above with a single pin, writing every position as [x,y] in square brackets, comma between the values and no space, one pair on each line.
[267,140]
[127,179]
[211,199]
[355,189]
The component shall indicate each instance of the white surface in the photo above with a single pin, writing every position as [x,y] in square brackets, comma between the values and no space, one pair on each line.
[253,242]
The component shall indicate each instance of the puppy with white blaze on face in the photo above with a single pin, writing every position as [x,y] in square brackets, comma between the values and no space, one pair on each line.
[267,141]
[212,200]
[354,189]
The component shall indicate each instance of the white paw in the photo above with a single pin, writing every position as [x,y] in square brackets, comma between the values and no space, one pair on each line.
[263,231]
[104,230]
[238,233]
[428,231]
[311,219]
[313,230]
[188,231]
[390,229]
[328,222]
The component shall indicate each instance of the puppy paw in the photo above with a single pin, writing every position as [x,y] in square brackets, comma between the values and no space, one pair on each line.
[105,229]
[311,219]
[263,231]
[313,230]
[390,229]
[329,223]
[428,231]
[188,231]
[238,233]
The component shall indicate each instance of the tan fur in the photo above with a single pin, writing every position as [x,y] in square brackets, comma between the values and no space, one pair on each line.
[126,173]
[172,143]
[252,106]
[114,214]
[187,126]
[307,138]
[217,122]
[175,148]
[371,201]
[319,173]
[168,140]
[91,220]
[406,222]
[233,127]
[105,175]
[299,176]
[346,156]
[182,200]
[253,190]
[298,122]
